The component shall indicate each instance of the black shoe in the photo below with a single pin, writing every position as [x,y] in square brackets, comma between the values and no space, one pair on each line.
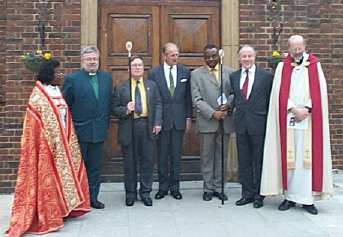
[129,201]
[161,194]
[243,201]
[207,196]
[311,209]
[258,203]
[285,205]
[220,196]
[97,205]
[147,201]
[176,194]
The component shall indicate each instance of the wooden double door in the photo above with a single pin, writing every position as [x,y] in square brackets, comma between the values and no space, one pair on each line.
[191,24]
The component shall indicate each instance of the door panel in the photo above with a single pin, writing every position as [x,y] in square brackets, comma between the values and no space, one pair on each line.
[191,28]
[150,24]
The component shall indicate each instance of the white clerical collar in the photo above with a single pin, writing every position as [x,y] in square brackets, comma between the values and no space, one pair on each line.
[52,90]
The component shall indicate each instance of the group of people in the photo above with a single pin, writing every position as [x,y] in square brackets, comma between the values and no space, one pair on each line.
[281,125]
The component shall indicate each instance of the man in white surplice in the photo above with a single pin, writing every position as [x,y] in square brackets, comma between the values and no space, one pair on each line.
[297,155]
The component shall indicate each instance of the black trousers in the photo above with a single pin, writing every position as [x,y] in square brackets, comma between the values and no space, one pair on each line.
[91,154]
[138,158]
[250,157]
[170,149]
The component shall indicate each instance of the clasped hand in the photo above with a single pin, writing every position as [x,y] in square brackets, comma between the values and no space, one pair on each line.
[221,112]
[300,113]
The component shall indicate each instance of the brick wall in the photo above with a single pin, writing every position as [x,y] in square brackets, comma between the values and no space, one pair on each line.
[320,22]
[18,34]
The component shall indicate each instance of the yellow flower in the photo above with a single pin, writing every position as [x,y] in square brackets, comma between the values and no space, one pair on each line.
[47,55]
[39,52]
[276,54]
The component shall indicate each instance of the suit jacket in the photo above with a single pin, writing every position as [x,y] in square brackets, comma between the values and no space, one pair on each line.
[90,115]
[251,114]
[205,92]
[120,99]
[178,107]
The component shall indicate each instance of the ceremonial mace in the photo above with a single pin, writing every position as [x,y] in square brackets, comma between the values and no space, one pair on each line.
[128,46]
[221,122]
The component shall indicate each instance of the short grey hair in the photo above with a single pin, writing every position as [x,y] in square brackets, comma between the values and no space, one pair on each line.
[246,46]
[89,49]
[168,45]
[296,38]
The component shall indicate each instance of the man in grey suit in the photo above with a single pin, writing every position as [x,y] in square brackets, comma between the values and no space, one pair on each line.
[173,81]
[251,87]
[206,94]
[88,94]
[140,119]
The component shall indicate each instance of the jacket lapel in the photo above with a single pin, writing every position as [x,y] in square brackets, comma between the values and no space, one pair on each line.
[147,94]
[237,81]
[210,77]
[178,78]
[256,85]
[101,88]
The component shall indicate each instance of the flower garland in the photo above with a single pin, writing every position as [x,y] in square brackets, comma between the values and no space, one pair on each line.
[33,60]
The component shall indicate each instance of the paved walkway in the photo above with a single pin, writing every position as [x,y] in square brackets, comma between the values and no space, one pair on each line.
[192,217]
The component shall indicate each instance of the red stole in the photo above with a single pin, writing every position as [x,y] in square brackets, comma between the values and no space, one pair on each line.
[317,121]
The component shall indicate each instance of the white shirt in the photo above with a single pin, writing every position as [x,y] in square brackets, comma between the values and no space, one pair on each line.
[166,68]
[251,78]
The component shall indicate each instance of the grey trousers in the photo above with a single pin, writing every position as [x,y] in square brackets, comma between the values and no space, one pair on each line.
[211,160]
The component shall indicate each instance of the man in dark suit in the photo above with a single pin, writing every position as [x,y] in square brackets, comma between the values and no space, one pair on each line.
[207,98]
[88,94]
[251,87]
[173,82]
[140,119]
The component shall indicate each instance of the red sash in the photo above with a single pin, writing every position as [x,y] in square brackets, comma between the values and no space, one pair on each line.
[317,121]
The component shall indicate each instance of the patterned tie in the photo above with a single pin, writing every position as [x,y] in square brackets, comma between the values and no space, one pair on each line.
[138,99]
[171,82]
[245,85]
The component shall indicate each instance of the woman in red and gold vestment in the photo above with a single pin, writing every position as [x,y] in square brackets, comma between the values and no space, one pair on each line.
[52,180]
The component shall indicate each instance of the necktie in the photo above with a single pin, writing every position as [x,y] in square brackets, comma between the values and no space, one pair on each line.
[138,99]
[171,82]
[245,85]
[213,72]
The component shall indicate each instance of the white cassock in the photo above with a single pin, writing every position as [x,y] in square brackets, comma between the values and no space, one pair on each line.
[299,176]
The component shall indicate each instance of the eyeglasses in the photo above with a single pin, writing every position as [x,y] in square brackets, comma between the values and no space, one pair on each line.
[137,65]
[90,59]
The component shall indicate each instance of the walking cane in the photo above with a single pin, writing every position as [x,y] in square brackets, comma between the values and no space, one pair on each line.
[221,55]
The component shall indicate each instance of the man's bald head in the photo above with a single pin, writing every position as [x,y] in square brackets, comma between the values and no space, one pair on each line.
[296,46]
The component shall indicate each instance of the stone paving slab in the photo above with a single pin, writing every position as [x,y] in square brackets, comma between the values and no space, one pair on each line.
[194,217]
